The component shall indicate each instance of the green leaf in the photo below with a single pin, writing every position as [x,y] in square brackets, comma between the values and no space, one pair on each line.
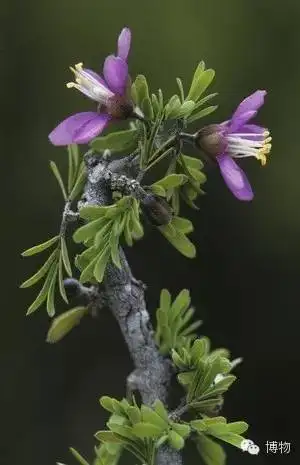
[79,183]
[183,224]
[92,212]
[89,230]
[161,410]
[42,296]
[173,107]
[238,427]
[230,438]
[150,416]
[107,436]
[171,181]
[51,293]
[180,87]
[175,440]
[211,452]
[116,141]
[114,245]
[73,150]
[71,169]
[41,272]
[100,265]
[146,430]
[58,178]
[40,247]
[107,403]
[186,109]
[147,109]
[165,299]
[200,114]
[134,414]
[179,241]
[182,429]
[78,457]
[65,256]
[205,99]
[192,162]
[140,89]
[220,387]
[61,281]
[201,80]
[181,303]
[64,323]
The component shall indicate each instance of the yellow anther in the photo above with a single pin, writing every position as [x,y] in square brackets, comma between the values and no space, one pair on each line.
[263,159]
[70,85]
[266,133]
[267,140]
[79,66]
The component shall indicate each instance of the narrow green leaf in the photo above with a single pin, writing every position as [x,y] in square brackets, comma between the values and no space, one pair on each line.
[238,427]
[180,242]
[61,281]
[134,414]
[182,224]
[107,403]
[147,108]
[71,169]
[64,323]
[92,212]
[186,109]
[100,264]
[173,107]
[211,452]
[182,429]
[73,149]
[89,230]
[180,87]
[140,89]
[201,80]
[107,436]
[41,272]
[40,247]
[205,100]
[150,416]
[78,457]
[161,410]
[114,246]
[146,430]
[155,104]
[165,299]
[65,256]
[42,296]
[116,141]
[192,162]
[181,303]
[200,114]
[171,181]
[175,440]
[79,183]
[58,178]
[51,293]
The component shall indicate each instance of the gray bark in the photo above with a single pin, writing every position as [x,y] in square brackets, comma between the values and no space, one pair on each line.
[124,296]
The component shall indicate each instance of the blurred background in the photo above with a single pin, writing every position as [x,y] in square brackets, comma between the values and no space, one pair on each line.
[245,279]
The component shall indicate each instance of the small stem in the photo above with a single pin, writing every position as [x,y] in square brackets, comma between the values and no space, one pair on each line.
[158,159]
[164,147]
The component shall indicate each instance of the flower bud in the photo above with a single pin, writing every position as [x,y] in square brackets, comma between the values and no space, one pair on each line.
[156,209]
[211,140]
[119,107]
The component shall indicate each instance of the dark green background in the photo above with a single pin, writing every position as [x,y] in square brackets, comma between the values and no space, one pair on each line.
[245,280]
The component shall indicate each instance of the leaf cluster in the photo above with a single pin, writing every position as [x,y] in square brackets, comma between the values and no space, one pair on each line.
[104,228]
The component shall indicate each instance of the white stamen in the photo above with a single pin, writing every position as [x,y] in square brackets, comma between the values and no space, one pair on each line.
[243,145]
[89,85]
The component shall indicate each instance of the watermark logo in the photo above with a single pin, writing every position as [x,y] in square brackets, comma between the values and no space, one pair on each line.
[248,446]
[281,447]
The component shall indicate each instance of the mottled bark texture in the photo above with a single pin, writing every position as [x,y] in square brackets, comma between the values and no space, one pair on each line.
[124,296]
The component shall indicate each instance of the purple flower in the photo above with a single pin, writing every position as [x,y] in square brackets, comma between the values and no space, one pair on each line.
[237,138]
[110,93]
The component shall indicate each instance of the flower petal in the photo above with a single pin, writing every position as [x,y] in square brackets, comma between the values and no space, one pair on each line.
[75,128]
[235,178]
[115,72]
[124,42]
[95,76]
[91,129]
[238,121]
[251,103]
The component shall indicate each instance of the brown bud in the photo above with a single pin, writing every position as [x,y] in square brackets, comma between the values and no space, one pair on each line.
[156,209]
[211,140]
